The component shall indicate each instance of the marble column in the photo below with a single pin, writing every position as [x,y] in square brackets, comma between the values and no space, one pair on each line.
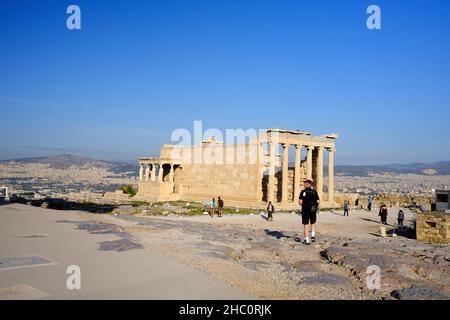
[141,172]
[309,162]
[260,172]
[171,173]
[160,173]
[153,172]
[285,173]
[319,172]
[271,182]
[331,174]
[297,182]
[147,171]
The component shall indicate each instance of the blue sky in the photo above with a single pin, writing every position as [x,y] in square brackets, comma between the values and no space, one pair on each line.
[137,70]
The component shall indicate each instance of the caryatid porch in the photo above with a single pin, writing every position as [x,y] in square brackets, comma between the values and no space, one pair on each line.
[157,177]
[157,169]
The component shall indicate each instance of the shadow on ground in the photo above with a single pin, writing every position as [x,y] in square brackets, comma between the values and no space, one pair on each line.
[370,220]
[280,234]
[125,243]
[63,204]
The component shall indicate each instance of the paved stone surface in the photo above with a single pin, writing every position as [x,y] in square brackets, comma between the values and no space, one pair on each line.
[113,263]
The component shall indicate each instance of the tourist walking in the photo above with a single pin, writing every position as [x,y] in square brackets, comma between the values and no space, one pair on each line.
[220,204]
[309,200]
[270,210]
[383,213]
[346,208]
[400,218]
[369,203]
[212,207]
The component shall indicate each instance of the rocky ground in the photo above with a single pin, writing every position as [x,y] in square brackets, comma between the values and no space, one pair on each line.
[267,259]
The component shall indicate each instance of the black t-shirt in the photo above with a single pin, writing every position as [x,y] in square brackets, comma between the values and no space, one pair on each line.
[309,198]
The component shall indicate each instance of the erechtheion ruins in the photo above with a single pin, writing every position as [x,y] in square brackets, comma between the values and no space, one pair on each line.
[247,174]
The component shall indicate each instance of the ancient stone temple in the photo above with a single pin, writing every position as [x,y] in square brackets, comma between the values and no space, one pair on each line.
[246,174]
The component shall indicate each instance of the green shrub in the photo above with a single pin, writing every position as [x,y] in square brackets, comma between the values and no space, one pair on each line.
[128,189]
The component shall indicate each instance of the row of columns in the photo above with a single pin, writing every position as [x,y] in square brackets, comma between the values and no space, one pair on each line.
[149,172]
[309,171]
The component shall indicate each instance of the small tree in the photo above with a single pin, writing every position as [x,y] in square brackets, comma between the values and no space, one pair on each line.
[128,189]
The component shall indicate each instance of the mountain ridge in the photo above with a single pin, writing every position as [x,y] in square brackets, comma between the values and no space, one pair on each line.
[64,161]
[421,168]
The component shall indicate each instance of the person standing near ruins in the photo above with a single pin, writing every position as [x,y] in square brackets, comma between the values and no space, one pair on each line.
[400,218]
[369,203]
[220,205]
[383,213]
[309,200]
[212,207]
[270,210]
[346,208]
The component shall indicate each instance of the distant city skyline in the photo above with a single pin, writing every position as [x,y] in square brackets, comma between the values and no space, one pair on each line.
[136,71]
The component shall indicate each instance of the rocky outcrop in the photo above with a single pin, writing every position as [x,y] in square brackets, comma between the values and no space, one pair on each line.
[409,269]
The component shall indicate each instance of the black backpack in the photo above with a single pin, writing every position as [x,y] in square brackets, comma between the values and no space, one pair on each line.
[312,207]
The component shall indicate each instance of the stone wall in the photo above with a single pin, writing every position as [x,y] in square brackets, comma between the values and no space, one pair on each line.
[231,182]
[156,191]
[433,227]
[352,198]
[396,200]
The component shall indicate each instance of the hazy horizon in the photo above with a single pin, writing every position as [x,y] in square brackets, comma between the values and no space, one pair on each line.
[135,160]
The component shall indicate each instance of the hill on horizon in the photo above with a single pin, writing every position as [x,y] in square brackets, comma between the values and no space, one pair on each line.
[64,161]
[435,168]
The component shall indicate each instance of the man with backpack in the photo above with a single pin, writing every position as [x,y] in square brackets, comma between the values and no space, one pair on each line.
[270,211]
[400,218]
[309,200]
[346,208]
[220,205]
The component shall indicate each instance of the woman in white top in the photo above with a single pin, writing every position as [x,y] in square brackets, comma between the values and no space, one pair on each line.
[212,207]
